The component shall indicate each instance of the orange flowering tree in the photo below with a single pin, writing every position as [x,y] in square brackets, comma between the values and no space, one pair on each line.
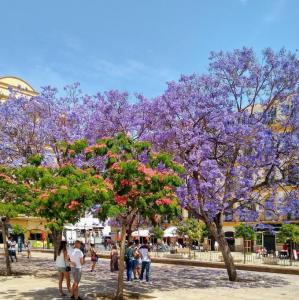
[61,195]
[139,180]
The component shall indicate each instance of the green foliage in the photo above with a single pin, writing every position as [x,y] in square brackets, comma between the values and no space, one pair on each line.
[18,229]
[14,196]
[35,160]
[205,231]
[245,231]
[192,228]
[158,232]
[288,232]
[61,195]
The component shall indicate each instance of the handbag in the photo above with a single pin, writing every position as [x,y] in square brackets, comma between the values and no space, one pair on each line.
[68,269]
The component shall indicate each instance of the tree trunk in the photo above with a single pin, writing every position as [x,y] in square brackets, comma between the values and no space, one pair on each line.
[57,236]
[120,283]
[226,253]
[129,227]
[6,256]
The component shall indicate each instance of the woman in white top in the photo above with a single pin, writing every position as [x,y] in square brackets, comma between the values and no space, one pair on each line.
[62,267]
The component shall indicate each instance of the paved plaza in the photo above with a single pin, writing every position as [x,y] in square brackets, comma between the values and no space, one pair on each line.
[168,282]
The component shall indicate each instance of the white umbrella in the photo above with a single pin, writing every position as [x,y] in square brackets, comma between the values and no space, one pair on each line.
[141,233]
[106,231]
[69,227]
[170,232]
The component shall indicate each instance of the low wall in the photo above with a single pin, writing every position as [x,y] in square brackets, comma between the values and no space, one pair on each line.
[220,265]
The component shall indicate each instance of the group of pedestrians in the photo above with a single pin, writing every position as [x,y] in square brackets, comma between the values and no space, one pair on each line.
[138,261]
[69,264]
[12,249]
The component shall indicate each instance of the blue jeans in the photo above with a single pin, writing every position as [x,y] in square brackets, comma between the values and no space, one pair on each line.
[129,266]
[145,267]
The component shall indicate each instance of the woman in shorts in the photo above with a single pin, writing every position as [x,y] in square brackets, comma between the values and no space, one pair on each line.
[94,257]
[62,267]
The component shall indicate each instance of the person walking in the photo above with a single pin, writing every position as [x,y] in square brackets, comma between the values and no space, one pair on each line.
[114,259]
[146,261]
[137,261]
[63,268]
[77,261]
[94,257]
[11,244]
[20,244]
[129,258]
[28,248]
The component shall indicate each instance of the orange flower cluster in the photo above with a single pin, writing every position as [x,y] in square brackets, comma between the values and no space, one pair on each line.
[148,172]
[164,201]
[116,167]
[110,154]
[88,149]
[73,205]
[7,178]
[99,146]
[44,196]
[125,182]
[109,184]
[168,188]
[121,200]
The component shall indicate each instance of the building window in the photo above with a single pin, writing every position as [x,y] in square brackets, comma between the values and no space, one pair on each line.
[35,236]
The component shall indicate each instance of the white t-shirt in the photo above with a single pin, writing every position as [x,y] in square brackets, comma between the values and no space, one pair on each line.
[75,257]
[144,250]
[60,262]
[12,245]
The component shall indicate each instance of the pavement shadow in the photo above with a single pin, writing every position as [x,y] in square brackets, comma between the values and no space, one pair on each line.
[163,277]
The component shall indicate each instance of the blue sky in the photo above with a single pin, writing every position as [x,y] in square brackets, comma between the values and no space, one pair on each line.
[134,45]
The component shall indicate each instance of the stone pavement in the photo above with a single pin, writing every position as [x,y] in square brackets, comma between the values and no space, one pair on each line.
[169,282]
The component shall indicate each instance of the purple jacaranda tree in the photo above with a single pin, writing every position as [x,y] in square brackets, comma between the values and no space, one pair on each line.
[45,124]
[221,127]
[235,130]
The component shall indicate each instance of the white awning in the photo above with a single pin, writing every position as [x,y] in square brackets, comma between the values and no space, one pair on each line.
[170,232]
[107,231]
[141,233]
[89,223]
[69,227]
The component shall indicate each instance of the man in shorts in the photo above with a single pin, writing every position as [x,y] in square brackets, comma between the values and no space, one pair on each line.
[77,260]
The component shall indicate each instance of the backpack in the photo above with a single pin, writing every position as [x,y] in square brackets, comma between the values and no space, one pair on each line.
[128,253]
